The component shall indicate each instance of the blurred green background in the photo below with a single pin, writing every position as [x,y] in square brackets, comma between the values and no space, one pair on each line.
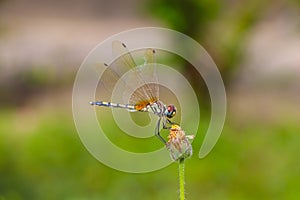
[256,46]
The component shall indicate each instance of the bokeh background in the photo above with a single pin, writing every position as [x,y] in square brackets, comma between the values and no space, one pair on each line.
[256,45]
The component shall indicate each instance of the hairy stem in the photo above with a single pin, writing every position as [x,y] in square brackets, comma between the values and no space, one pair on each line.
[181,180]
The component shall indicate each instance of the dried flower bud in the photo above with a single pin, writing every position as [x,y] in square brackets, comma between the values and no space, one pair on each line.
[178,144]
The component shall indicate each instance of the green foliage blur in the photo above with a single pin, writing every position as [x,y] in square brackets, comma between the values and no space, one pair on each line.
[41,157]
[222,27]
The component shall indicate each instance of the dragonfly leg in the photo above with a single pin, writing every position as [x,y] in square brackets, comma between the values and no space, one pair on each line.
[167,122]
[154,110]
[157,132]
[171,123]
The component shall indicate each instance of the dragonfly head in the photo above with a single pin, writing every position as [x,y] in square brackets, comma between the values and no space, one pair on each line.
[170,111]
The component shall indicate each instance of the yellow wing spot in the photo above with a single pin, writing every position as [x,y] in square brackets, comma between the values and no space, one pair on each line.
[143,104]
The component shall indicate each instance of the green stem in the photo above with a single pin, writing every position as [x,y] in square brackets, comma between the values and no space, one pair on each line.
[181,180]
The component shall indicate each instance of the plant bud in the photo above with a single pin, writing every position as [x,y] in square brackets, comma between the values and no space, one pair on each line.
[178,144]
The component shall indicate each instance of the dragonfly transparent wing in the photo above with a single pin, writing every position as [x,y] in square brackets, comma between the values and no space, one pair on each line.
[140,81]
[147,72]
[140,84]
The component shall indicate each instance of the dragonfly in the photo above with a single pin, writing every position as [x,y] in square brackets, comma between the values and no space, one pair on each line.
[146,97]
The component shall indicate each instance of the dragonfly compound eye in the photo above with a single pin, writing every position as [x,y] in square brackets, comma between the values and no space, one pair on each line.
[171,111]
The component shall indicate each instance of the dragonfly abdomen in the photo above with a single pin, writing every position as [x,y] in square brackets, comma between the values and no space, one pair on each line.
[114,105]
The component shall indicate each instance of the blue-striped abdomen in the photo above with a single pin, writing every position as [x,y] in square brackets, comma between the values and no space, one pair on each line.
[114,105]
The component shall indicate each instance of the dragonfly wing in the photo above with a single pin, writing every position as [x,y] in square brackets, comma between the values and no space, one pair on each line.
[108,82]
[148,72]
[143,76]
[151,73]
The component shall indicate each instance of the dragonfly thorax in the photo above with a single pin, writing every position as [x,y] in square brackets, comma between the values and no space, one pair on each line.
[157,108]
